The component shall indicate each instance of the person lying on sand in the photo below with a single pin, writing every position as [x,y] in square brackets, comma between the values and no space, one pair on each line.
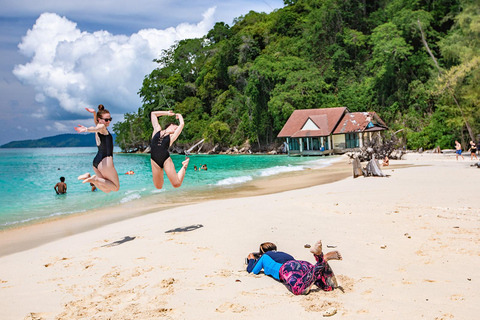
[297,275]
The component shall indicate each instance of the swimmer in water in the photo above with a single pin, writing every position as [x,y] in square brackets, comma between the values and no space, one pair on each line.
[160,157]
[106,176]
[61,187]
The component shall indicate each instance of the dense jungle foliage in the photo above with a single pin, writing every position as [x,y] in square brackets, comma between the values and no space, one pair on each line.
[416,63]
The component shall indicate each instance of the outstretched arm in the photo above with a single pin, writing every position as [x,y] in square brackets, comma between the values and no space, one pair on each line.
[179,129]
[95,119]
[153,118]
[97,128]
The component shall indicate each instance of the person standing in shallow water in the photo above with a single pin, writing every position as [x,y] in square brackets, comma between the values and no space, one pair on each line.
[106,176]
[61,187]
[160,157]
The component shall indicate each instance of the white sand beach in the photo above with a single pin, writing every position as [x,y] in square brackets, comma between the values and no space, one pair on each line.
[410,245]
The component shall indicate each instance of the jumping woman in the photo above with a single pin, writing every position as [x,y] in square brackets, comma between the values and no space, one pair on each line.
[106,177]
[160,157]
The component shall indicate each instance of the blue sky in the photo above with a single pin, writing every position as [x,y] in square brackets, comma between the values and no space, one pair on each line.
[58,57]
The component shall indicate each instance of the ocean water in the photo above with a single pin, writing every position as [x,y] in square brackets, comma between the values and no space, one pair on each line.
[28,176]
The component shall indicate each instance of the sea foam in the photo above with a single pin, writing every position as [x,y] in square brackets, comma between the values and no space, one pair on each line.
[130,197]
[233,180]
[279,169]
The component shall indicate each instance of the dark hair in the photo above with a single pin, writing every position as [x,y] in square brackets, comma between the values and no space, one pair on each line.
[62,179]
[101,110]
[267,246]
[169,124]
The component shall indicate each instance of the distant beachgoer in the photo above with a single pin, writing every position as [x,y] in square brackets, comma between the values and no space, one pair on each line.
[458,150]
[195,168]
[473,150]
[130,172]
[93,187]
[61,187]
[106,176]
[297,275]
[204,167]
[160,157]
[386,162]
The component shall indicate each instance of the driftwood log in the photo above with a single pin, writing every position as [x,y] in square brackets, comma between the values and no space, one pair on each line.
[378,148]
[371,169]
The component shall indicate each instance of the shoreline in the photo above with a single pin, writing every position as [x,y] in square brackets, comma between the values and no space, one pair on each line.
[29,236]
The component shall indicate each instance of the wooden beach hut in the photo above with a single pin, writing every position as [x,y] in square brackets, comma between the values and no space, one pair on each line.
[311,132]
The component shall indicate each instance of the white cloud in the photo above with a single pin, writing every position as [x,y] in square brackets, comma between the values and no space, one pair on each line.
[78,69]
[60,127]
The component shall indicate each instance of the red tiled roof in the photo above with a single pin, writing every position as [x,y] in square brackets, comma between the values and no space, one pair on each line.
[325,119]
[358,122]
[308,133]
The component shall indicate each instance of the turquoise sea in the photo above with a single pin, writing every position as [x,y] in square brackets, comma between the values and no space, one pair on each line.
[27,178]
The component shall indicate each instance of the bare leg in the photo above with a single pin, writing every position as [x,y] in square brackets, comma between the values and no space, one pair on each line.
[157,175]
[176,179]
[324,274]
[106,178]
[84,176]
[317,248]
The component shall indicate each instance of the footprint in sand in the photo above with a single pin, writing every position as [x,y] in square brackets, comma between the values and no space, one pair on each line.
[36,316]
[230,307]
[313,305]
[224,273]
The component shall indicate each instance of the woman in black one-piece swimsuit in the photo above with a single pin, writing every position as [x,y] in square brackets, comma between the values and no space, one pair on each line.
[473,150]
[160,157]
[106,176]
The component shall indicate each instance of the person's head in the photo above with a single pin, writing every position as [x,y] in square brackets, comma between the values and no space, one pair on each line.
[267,246]
[62,179]
[170,128]
[103,115]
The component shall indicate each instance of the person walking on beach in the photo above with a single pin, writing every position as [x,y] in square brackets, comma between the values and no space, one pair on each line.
[458,150]
[160,157]
[61,187]
[106,176]
[297,275]
[473,150]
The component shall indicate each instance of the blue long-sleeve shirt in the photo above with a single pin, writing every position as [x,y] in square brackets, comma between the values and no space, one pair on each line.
[270,262]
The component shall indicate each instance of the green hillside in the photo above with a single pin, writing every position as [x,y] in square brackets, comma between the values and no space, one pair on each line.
[416,63]
[61,140]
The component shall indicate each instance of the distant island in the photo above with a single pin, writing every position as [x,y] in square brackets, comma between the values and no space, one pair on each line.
[58,141]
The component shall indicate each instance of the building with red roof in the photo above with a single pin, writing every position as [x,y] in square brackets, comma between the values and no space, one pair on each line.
[329,130]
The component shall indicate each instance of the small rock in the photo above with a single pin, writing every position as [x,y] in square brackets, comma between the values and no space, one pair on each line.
[330,312]
[469,279]
[383,247]
[307,246]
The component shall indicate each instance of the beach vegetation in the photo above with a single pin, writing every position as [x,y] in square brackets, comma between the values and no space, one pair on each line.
[415,63]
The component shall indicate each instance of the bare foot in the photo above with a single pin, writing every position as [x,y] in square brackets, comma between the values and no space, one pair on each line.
[317,248]
[332,255]
[90,179]
[185,163]
[84,176]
